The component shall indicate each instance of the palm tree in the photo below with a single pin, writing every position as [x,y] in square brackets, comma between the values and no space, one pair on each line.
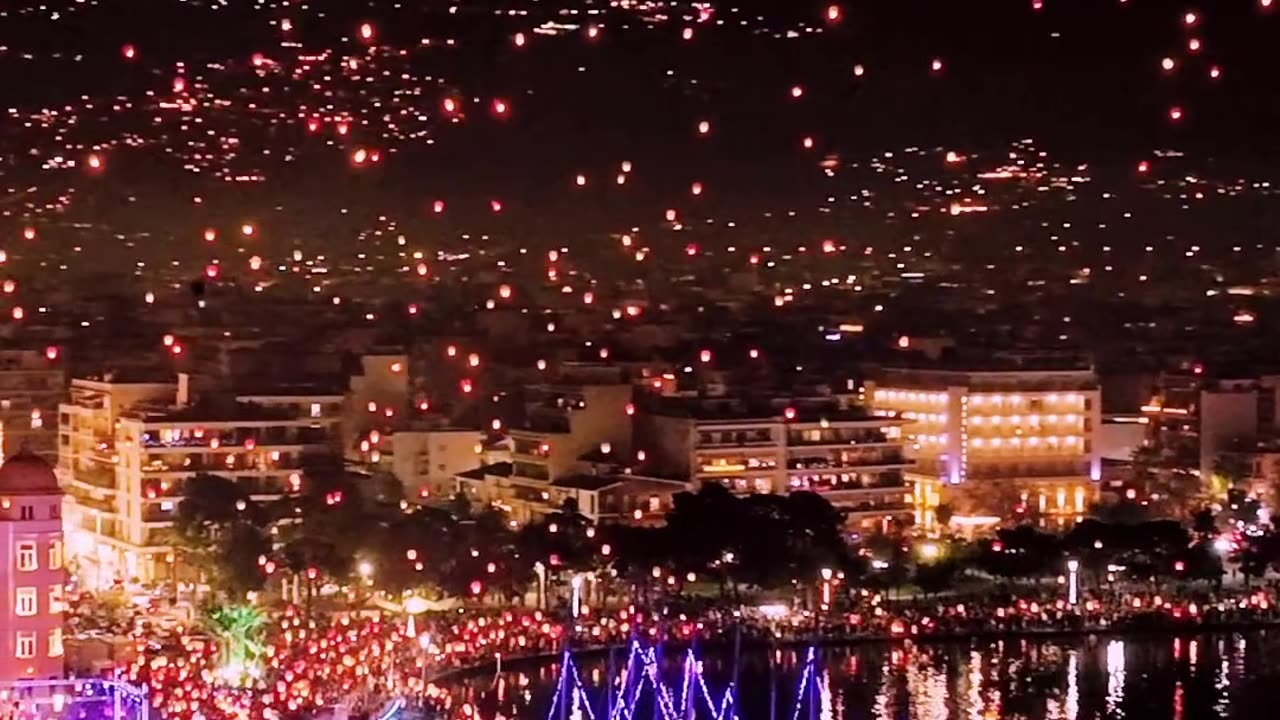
[239,630]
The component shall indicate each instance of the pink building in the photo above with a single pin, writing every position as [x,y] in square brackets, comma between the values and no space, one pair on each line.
[31,570]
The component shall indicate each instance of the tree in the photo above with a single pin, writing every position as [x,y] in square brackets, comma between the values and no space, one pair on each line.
[239,629]
[937,576]
[943,514]
[221,531]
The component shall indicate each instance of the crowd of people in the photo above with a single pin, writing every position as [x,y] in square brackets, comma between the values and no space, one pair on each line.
[362,661]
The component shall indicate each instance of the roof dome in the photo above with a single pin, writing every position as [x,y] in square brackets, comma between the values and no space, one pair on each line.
[26,473]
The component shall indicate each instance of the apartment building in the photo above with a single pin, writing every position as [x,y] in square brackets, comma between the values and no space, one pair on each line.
[564,422]
[852,458]
[32,383]
[127,448]
[998,440]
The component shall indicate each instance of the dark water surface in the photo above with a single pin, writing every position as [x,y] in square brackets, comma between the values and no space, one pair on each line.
[1228,675]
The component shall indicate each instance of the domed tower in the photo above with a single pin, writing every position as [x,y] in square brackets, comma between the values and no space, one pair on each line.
[31,569]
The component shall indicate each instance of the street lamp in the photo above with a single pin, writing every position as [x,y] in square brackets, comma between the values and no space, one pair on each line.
[1073,581]
[576,582]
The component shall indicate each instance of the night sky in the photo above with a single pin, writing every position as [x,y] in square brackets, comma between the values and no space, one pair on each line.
[1082,78]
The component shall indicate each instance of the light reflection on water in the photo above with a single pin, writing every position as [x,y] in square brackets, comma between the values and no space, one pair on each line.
[1226,676]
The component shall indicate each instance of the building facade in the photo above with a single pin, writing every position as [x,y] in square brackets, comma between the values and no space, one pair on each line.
[853,459]
[126,451]
[997,444]
[32,384]
[35,576]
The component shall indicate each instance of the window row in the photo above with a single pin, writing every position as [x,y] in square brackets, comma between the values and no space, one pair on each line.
[25,647]
[28,556]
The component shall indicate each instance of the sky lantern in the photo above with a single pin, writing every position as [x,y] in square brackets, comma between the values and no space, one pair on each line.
[671,215]
[255,263]
[168,340]
[1175,113]
[696,188]
[859,71]
[1190,19]
[94,161]
[1215,72]
[593,31]
[504,291]
[1194,45]
[807,142]
[51,352]
[286,24]
[450,105]
[580,180]
[691,249]
[834,14]
[518,39]
[828,246]
[796,91]
[621,179]
[704,127]
[1144,166]
[789,413]
[210,234]
[343,128]
[686,34]
[9,286]
[626,166]
[1037,4]
[360,156]
[19,313]
[129,51]
[211,270]
[366,31]
[257,59]
[495,205]
[422,269]
[313,125]
[1167,64]
[704,356]
[179,84]
[500,107]
[248,230]
[936,65]
[437,207]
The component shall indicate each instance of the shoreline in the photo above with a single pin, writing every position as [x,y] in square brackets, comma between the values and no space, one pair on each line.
[755,643]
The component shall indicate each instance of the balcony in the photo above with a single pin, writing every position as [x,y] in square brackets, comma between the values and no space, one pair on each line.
[105,505]
[730,439]
[864,462]
[95,477]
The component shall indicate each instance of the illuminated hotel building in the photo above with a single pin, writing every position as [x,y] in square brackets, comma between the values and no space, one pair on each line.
[996,443]
[126,449]
[853,459]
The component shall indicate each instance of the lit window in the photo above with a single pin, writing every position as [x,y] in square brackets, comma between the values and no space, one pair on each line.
[55,555]
[25,605]
[315,410]
[55,599]
[27,556]
[655,504]
[26,645]
[55,642]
